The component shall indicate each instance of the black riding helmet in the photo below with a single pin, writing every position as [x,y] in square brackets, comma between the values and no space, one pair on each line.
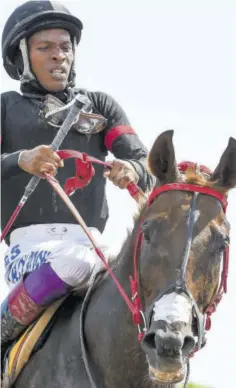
[30,18]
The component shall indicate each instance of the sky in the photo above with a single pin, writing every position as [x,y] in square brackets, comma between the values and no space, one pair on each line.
[171,65]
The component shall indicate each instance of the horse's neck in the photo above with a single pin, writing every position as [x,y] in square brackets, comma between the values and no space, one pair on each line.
[107,302]
[112,338]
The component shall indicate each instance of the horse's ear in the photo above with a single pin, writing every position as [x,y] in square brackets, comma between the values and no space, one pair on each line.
[161,158]
[224,175]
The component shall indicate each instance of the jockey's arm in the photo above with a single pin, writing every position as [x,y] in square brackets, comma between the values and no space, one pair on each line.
[37,161]
[123,142]
[34,161]
[9,162]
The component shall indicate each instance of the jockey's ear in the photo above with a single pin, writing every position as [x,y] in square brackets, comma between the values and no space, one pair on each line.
[161,159]
[224,175]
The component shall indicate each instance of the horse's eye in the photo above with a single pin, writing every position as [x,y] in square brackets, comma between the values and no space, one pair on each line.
[145,230]
[224,244]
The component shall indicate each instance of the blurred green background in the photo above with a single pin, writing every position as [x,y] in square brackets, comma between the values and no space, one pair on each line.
[196,385]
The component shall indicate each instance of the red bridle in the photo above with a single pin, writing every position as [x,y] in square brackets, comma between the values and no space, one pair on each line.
[224,275]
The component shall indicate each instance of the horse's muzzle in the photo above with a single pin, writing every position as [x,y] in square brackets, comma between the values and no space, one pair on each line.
[167,347]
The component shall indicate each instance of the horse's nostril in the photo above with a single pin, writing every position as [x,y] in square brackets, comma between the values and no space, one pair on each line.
[149,340]
[188,346]
[176,351]
[170,345]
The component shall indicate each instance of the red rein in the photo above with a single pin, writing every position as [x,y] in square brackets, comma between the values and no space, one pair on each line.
[85,171]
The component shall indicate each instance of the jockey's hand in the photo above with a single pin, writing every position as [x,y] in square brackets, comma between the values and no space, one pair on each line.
[40,160]
[121,174]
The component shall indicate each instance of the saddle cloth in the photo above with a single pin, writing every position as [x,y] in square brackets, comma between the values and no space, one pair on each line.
[21,350]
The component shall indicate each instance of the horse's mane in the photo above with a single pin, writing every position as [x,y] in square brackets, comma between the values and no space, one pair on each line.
[203,180]
[194,178]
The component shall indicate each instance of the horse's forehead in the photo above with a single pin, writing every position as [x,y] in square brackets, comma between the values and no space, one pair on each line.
[165,202]
[212,208]
[171,202]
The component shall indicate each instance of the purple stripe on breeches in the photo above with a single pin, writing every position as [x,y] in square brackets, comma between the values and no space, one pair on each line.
[44,286]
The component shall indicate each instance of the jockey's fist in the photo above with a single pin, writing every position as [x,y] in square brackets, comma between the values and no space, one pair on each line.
[40,160]
[122,173]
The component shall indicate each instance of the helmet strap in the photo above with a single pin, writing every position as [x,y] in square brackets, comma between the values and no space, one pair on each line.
[27,75]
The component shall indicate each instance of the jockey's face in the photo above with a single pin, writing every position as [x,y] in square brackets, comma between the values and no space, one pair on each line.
[51,56]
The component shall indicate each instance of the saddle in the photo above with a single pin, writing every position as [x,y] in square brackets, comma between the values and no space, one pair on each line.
[30,341]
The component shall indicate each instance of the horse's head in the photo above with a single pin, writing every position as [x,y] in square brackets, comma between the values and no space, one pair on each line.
[184,235]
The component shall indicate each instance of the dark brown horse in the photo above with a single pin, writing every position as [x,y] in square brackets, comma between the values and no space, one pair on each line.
[180,237]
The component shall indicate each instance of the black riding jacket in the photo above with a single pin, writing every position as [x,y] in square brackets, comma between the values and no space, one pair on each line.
[23,127]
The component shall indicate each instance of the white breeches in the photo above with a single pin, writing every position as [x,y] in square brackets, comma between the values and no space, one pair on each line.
[65,246]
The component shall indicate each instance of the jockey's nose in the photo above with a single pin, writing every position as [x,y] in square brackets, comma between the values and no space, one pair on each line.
[58,54]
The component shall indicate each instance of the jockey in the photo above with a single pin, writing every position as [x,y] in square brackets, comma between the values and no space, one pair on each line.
[48,254]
